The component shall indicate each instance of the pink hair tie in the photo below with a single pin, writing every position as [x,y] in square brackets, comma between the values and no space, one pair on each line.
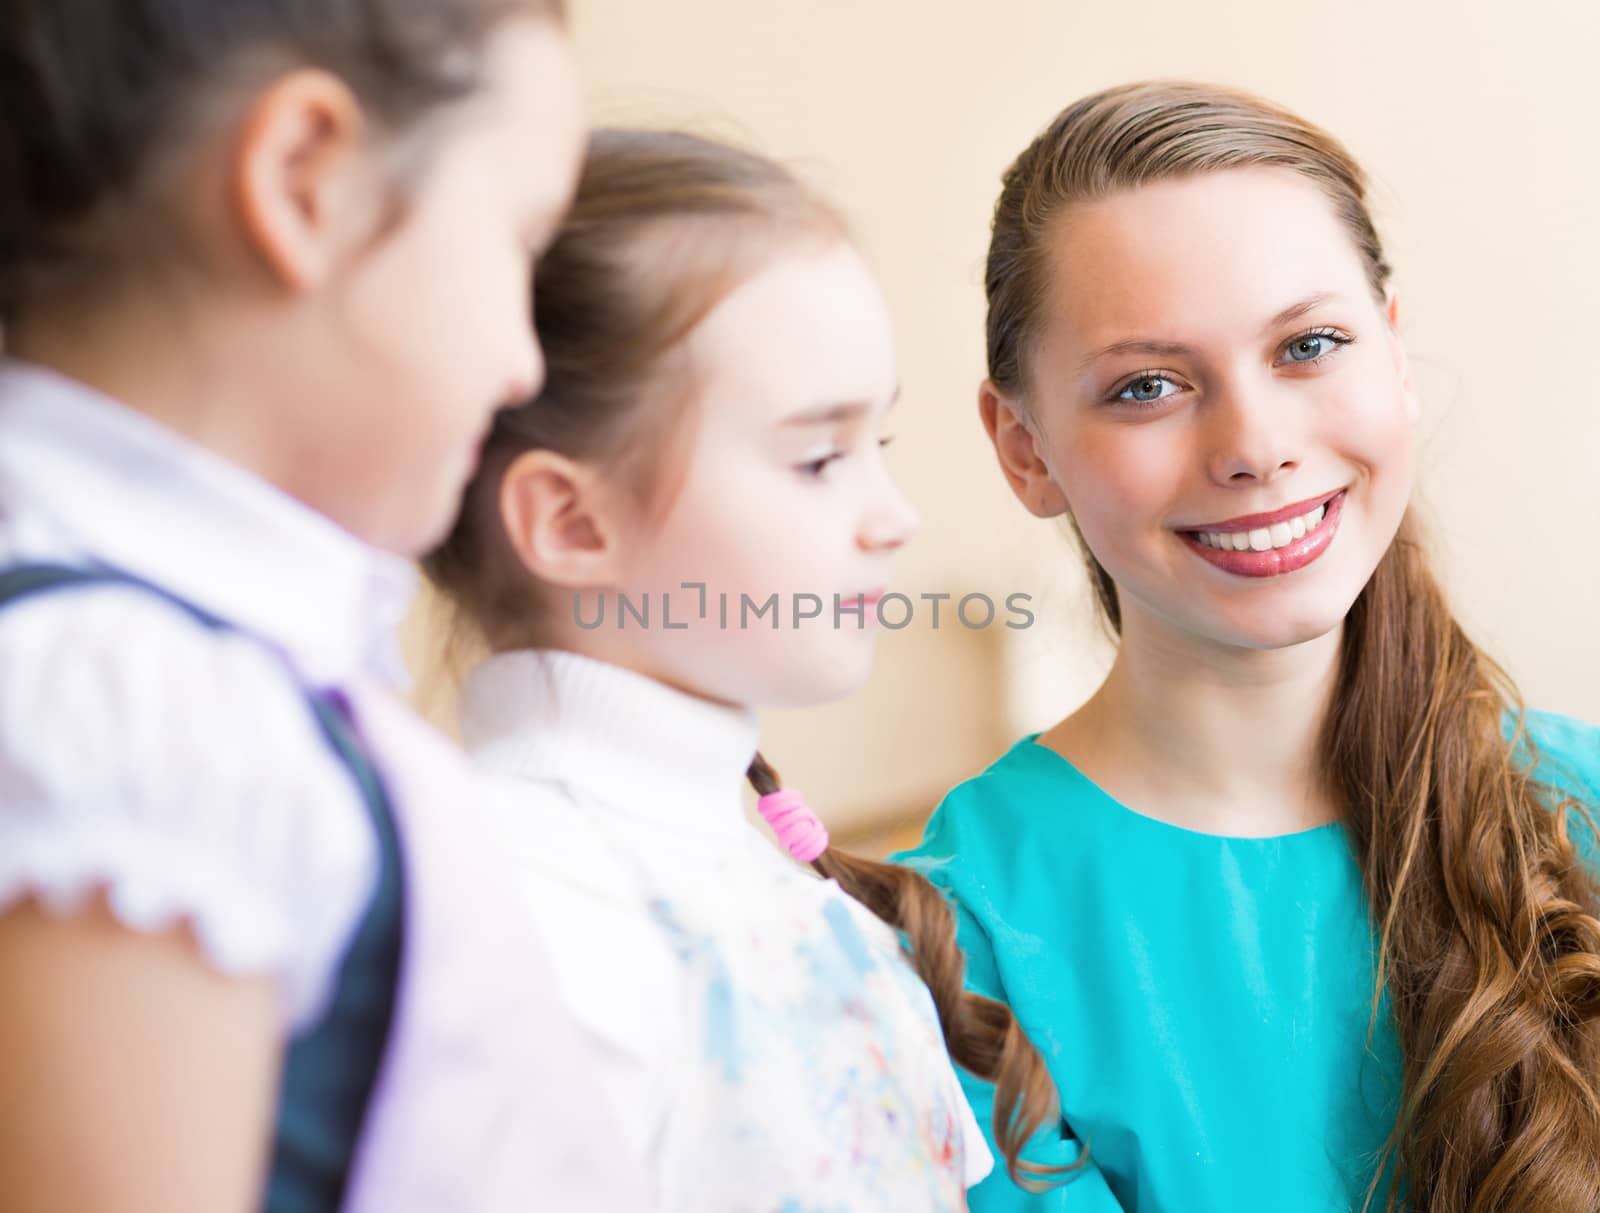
[794,823]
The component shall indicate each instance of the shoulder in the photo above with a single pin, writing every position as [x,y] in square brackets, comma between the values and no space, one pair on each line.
[1565,757]
[1566,754]
[587,887]
[181,771]
[1025,799]
[559,845]
[589,896]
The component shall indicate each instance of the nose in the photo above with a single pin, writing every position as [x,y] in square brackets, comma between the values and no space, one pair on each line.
[518,340]
[889,521]
[1252,437]
[525,368]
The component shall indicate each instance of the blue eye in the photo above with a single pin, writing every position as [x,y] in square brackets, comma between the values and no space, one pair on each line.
[1314,346]
[1147,389]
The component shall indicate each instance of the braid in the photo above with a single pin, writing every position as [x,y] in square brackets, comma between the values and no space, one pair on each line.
[982,1035]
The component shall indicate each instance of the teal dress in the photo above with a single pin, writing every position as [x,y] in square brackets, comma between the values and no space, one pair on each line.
[1204,1003]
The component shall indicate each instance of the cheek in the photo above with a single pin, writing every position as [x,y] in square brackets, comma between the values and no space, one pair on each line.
[754,505]
[1119,479]
[454,292]
[769,547]
[480,306]
[1370,423]
[398,311]
[715,532]
[1392,466]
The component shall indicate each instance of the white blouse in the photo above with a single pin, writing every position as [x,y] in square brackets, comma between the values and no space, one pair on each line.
[181,771]
[763,1039]
[176,768]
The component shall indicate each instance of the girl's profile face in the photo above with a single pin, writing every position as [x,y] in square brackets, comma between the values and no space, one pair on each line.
[432,321]
[783,492]
[1222,403]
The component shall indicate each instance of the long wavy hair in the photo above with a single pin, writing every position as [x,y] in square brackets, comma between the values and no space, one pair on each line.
[1489,945]
[664,225]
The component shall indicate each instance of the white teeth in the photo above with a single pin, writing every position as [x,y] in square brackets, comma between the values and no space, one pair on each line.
[1264,539]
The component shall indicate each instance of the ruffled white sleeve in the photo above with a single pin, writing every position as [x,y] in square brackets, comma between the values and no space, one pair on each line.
[179,771]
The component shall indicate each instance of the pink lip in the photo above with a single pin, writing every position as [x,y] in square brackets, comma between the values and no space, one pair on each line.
[1249,522]
[1278,561]
[867,603]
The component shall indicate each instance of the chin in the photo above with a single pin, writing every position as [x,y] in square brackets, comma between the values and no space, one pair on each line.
[435,511]
[817,682]
[1280,628]
[1281,637]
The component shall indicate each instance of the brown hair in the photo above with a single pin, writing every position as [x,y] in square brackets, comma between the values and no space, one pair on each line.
[93,93]
[663,226]
[1489,943]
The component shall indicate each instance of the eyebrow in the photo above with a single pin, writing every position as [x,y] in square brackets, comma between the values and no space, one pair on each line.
[1296,310]
[833,414]
[1174,348]
[1135,346]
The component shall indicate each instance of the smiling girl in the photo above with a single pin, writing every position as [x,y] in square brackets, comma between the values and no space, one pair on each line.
[1295,905]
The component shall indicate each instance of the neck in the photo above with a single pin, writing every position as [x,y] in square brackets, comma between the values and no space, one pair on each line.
[626,648]
[215,375]
[151,354]
[649,750]
[1214,738]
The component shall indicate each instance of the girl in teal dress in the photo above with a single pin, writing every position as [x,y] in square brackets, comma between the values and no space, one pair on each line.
[1299,904]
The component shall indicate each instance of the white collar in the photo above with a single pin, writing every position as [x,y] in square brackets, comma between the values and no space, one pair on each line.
[136,495]
[646,749]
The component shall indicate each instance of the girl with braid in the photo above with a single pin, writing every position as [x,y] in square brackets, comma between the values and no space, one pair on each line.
[720,364]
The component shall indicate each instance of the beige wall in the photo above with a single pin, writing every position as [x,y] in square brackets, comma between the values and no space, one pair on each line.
[1478,121]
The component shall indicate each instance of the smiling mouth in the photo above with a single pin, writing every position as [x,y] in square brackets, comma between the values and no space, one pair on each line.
[1269,536]
[1268,545]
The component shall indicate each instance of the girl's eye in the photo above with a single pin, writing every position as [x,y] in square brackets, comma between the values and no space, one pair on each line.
[1146,388]
[1315,345]
[816,467]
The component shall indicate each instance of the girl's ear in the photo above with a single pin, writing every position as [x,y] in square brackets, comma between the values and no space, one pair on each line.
[302,178]
[562,521]
[1017,447]
[1408,388]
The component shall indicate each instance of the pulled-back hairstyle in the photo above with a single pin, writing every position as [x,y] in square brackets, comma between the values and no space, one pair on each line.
[95,93]
[665,225]
[1489,942]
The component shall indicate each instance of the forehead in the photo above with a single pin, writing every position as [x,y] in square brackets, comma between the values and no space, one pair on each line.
[808,329]
[1180,258]
[527,117]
